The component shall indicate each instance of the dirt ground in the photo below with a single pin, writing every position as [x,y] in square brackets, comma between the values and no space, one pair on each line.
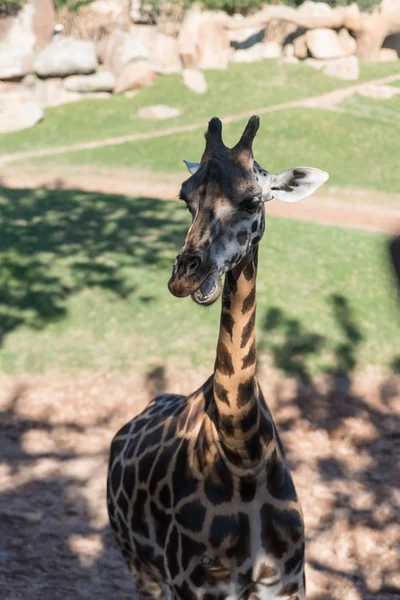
[343,443]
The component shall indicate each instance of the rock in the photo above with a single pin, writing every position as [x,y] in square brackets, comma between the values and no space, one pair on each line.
[15,63]
[347,42]
[300,46]
[288,51]
[342,68]
[159,111]
[204,40]
[241,39]
[51,92]
[195,80]
[272,50]
[387,54]
[323,43]
[17,31]
[315,63]
[43,22]
[315,9]
[66,56]
[258,52]
[122,49]
[165,54]
[251,54]
[103,81]
[135,75]
[19,116]
[214,49]
[379,92]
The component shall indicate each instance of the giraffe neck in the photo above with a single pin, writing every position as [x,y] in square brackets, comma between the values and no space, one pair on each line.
[236,392]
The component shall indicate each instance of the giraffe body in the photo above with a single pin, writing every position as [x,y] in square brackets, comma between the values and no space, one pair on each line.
[195,529]
[199,493]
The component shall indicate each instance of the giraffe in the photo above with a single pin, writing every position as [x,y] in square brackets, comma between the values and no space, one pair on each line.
[200,496]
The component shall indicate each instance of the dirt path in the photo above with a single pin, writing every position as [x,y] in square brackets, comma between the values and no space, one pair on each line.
[330,206]
[343,444]
[327,100]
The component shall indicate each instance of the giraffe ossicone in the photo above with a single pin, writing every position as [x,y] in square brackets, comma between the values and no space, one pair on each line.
[200,496]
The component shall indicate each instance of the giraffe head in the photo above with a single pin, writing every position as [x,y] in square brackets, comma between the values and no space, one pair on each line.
[225,195]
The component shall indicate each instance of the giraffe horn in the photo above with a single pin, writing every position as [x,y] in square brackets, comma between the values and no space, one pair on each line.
[214,135]
[246,141]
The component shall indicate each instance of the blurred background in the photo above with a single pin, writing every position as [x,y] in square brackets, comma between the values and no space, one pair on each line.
[100,102]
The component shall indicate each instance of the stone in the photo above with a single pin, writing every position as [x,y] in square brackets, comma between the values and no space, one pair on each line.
[204,40]
[195,80]
[378,92]
[43,22]
[258,52]
[159,111]
[135,75]
[102,81]
[15,63]
[387,54]
[342,68]
[315,9]
[272,50]
[288,51]
[19,116]
[323,43]
[300,46]
[251,54]
[314,63]
[122,49]
[347,42]
[214,49]
[165,54]
[17,31]
[66,56]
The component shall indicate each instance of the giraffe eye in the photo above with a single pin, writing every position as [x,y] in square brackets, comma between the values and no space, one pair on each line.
[249,204]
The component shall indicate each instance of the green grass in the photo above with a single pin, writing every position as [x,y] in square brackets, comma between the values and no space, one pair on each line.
[379,111]
[239,88]
[84,286]
[355,150]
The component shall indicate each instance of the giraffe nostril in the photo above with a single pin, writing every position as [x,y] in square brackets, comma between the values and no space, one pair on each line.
[193,263]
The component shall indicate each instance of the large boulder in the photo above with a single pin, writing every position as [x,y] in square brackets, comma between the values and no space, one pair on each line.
[66,56]
[347,42]
[214,48]
[19,116]
[300,46]
[32,28]
[195,80]
[103,81]
[135,75]
[15,63]
[204,40]
[51,92]
[123,48]
[165,54]
[324,43]
[258,52]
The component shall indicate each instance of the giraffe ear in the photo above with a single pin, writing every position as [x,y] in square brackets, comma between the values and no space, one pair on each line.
[297,183]
[192,167]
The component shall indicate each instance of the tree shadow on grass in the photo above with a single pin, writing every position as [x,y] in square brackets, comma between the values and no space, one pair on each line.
[54,243]
[361,481]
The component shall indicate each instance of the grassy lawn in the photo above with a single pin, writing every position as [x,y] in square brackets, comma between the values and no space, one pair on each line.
[84,286]
[380,111]
[354,149]
[239,88]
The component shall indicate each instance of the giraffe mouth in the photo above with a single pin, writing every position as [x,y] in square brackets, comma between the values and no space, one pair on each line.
[209,291]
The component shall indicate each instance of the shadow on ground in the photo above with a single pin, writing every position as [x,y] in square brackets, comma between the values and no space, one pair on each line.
[53,243]
[357,467]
